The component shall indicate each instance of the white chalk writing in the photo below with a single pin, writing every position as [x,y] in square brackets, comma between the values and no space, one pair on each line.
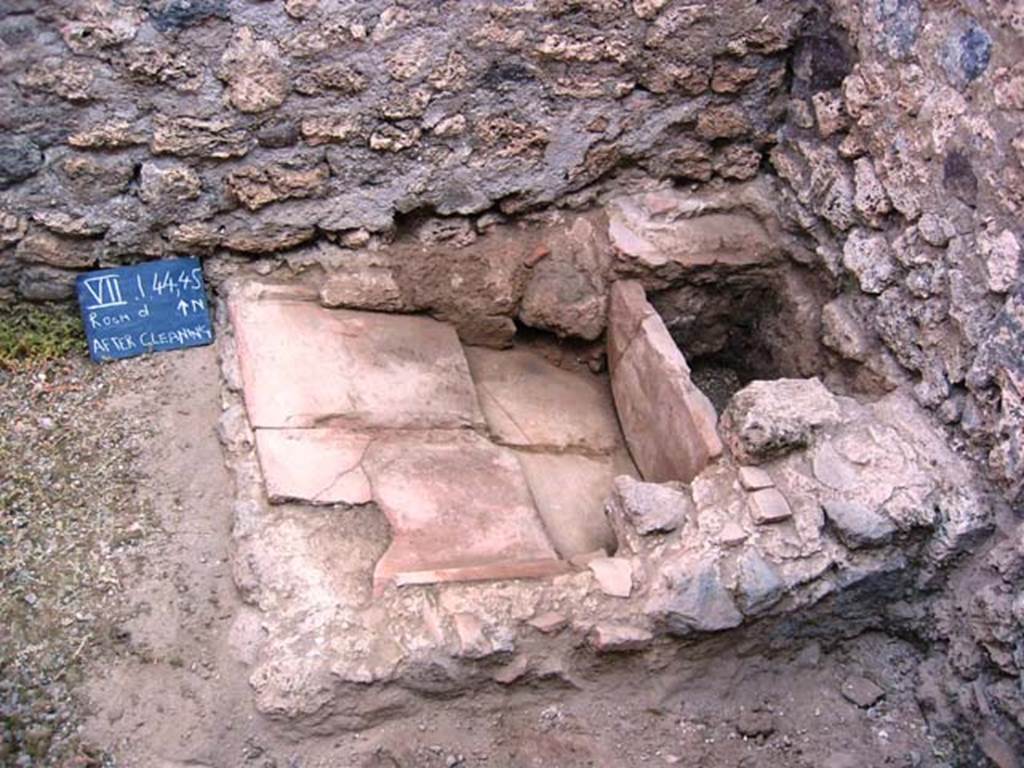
[105,291]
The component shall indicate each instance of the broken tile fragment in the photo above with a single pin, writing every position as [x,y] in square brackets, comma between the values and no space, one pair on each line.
[473,639]
[319,466]
[768,505]
[731,535]
[609,637]
[548,622]
[614,575]
[755,478]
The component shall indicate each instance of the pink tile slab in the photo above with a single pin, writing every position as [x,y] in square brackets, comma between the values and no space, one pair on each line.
[319,466]
[304,365]
[529,402]
[459,509]
[669,424]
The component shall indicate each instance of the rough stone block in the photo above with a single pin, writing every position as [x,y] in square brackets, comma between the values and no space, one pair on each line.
[567,292]
[614,575]
[770,418]
[697,600]
[857,525]
[657,229]
[649,507]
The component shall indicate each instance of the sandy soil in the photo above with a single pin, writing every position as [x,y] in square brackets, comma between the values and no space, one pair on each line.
[165,686]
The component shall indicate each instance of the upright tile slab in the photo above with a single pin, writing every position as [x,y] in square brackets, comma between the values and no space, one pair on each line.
[304,365]
[319,466]
[670,426]
[528,402]
[459,508]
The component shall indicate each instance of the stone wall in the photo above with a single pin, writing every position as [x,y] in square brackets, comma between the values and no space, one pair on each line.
[140,129]
[903,162]
[903,158]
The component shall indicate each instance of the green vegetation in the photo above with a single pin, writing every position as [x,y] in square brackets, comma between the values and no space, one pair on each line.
[34,333]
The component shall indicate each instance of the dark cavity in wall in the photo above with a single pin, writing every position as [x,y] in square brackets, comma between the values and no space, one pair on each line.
[756,323]
[822,57]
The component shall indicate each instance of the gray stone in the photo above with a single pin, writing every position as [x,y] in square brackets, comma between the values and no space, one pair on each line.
[935,229]
[651,507]
[967,54]
[770,418]
[870,199]
[900,22]
[19,159]
[842,331]
[858,526]
[42,247]
[697,600]
[869,258]
[46,284]
[1002,260]
[759,585]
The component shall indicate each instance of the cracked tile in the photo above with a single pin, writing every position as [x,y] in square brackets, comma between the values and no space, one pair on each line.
[319,466]
[459,508]
[306,366]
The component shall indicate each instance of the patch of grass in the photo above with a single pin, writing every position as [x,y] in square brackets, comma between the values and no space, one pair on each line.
[35,333]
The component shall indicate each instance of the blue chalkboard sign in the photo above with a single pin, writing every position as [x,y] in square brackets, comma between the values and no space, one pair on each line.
[155,306]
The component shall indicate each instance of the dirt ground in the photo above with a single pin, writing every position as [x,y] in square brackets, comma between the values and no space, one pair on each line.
[117,646]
